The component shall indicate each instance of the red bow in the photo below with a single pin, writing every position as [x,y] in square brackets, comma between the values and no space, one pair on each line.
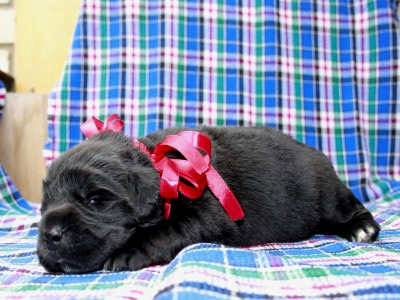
[196,169]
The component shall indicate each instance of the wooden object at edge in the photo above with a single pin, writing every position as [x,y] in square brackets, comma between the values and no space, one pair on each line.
[23,132]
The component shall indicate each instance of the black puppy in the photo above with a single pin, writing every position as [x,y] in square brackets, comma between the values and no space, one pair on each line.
[102,208]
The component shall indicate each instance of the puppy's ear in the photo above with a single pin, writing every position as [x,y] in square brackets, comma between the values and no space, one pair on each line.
[45,195]
[144,187]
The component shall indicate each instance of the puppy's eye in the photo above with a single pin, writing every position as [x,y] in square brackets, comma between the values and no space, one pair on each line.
[98,197]
[94,200]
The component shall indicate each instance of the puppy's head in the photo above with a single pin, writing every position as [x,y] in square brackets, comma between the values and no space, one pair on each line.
[95,196]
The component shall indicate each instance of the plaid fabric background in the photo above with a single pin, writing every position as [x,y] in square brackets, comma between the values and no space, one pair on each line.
[324,72]
[318,267]
[2,97]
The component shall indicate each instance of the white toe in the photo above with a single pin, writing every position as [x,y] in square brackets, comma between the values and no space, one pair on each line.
[364,235]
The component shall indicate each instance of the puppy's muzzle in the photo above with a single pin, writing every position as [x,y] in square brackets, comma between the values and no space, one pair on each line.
[67,243]
[52,226]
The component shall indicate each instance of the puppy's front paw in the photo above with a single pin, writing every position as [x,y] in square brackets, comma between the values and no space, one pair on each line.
[117,263]
[126,261]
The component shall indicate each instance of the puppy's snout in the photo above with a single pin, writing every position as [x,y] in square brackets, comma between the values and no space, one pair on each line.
[53,237]
[52,226]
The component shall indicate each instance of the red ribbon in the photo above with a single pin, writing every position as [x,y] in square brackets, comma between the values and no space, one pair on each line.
[94,126]
[196,169]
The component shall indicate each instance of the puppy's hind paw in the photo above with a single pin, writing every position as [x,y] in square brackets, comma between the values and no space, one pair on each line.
[364,235]
[363,230]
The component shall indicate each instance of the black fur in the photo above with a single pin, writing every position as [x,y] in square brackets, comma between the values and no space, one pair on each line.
[101,206]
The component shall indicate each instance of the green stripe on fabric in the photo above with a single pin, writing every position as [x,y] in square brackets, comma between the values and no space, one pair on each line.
[180,94]
[259,64]
[104,67]
[221,66]
[372,103]
[338,124]
[372,82]
[142,75]
[63,146]
[297,74]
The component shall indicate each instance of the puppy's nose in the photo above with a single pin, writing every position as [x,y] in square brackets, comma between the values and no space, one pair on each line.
[53,237]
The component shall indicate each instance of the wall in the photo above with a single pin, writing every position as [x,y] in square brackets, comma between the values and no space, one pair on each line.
[7,35]
[44,30]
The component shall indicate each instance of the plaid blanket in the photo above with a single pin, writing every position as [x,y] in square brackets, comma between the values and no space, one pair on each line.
[2,97]
[324,72]
[323,266]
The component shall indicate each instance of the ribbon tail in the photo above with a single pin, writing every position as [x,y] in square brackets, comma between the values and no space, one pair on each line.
[169,182]
[225,196]
[167,208]
[169,187]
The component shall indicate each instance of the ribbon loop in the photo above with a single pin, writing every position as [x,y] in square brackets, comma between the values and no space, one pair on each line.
[180,144]
[94,126]
[195,169]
